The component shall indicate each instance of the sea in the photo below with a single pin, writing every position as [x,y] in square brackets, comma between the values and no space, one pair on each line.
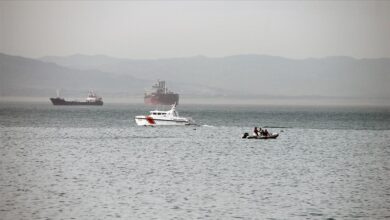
[80,162]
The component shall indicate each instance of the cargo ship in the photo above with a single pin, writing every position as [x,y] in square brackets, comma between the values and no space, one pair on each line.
[92,99]
[160,95]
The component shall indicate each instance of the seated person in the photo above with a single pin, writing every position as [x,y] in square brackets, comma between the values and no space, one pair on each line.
[256,131]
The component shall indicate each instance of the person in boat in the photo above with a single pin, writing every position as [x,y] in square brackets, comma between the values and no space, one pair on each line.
[256,131]
[266,133]
[261,132]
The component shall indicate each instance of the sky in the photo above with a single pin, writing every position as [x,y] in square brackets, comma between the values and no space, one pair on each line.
[165,29]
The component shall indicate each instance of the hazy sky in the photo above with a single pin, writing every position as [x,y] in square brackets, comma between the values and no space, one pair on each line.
[162,29]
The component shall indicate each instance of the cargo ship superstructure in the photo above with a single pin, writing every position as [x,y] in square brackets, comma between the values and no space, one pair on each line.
[92,99]
[161,95]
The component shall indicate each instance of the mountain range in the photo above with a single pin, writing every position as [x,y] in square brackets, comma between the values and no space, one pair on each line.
[232,76]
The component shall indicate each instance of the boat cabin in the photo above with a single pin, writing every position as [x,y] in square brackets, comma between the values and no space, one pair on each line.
[170,113]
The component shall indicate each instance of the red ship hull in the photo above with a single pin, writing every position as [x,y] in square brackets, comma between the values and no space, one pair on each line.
[161,99]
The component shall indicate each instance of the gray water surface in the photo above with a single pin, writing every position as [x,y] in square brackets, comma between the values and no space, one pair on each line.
[94,163]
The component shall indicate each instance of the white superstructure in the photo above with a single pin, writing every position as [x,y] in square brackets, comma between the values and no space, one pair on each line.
[92,97]
[157,117]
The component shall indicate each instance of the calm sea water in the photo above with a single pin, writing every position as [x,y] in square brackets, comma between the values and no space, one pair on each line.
[95,163]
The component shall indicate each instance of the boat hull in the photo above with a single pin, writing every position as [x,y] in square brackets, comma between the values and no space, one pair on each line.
[60,101]
[161,99]
[149,121]
[271,136]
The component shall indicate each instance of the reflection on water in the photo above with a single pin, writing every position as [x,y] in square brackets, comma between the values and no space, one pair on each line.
[101,166]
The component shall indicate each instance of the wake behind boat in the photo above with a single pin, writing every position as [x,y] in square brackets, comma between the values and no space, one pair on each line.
[157,117]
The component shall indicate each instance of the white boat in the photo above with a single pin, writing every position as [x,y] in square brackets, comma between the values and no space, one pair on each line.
[157,117]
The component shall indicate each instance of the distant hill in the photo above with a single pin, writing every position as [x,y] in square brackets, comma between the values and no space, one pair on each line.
[21,76]
[28,77]
[82,62]
[253,75]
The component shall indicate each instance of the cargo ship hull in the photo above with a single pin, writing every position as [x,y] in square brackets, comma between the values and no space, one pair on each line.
[60,101]
[162,99]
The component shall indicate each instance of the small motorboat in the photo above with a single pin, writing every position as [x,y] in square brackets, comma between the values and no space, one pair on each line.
[269,136]
[157,117]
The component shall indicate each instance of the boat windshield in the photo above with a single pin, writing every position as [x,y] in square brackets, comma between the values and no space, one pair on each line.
[158,113]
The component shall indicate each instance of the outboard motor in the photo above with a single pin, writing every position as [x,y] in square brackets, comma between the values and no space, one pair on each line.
[245,135]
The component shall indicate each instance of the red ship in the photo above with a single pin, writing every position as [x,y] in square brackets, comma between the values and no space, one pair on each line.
[160,95]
